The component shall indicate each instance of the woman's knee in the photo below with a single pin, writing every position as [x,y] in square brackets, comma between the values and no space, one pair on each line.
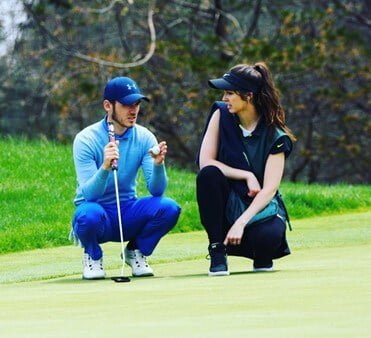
[270,233]
[209,174]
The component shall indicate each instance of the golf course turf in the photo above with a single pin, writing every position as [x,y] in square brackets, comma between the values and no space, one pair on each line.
[321,290]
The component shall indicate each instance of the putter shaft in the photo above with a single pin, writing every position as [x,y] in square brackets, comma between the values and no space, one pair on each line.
[119,218]
[114,166]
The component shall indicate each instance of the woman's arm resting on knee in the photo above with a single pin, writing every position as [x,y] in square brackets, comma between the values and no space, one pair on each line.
[208,155]
[272,179]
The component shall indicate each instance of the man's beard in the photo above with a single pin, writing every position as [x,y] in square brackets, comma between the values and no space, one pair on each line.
[114,117]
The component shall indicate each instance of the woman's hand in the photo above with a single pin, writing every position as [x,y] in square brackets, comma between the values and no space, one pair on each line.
[252,184]
[235,234]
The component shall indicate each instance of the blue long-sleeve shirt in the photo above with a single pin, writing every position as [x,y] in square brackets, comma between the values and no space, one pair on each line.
[96,184]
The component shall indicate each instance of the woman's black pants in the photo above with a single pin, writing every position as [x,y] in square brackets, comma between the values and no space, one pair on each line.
[260,242]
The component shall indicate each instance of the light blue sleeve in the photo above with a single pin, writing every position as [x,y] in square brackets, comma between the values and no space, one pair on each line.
[155,175]
[91,177]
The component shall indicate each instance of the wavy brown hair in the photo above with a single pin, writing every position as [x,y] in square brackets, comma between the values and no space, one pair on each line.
[267,99]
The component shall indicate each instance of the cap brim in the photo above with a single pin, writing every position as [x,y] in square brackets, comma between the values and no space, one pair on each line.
[221,84]
[132,98]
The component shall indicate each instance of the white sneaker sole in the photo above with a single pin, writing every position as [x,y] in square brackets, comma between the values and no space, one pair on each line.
[145,274]
[263,269]
[148,274]
[93,278]
[219,273]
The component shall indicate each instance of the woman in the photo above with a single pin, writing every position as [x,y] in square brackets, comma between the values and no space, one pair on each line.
[241,161]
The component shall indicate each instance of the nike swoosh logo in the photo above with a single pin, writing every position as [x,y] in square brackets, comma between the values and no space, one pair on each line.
[280,145]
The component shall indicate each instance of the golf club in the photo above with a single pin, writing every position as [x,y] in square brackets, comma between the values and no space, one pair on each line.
[122,278]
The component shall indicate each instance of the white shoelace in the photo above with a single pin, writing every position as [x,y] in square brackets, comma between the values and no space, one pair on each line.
[140,259]
[92,264]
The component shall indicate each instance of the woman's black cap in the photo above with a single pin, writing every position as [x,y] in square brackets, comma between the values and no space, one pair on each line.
[237,82]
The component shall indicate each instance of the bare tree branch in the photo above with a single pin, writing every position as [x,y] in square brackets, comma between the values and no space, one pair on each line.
[69,50]
[257,10]
[102,10]
[210,13]
[358,17]
[41,26]
[124,65]
[202,12]
[120,28]
[172,24]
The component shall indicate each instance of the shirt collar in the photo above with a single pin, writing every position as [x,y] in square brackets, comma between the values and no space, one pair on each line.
[256,132]
[126,135]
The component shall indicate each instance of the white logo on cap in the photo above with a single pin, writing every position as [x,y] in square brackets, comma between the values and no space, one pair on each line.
[131,86]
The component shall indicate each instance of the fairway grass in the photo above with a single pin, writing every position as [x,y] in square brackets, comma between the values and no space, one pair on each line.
[321,290]
[36,195]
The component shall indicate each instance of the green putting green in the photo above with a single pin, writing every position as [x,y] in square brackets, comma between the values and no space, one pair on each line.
[321,290]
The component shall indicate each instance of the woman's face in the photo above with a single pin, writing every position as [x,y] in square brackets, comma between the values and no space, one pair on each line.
[235,103]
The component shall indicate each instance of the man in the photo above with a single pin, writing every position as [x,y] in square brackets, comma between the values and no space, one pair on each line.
[145,220]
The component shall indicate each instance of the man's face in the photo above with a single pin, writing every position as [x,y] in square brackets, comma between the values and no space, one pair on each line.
[125,116]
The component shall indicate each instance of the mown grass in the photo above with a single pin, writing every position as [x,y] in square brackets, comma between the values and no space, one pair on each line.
[321,290]
[38,183]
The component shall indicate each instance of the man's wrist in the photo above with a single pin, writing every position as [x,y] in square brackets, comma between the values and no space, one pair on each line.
[104,167]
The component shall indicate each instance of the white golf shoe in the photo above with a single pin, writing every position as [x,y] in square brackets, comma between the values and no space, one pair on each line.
[93,269]
[138,263]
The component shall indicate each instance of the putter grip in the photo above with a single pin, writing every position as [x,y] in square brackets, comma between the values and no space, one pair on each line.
[111,136]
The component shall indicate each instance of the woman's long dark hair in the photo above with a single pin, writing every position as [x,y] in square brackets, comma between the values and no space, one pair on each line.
[267,100]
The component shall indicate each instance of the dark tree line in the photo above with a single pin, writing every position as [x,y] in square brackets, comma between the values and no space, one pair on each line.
[51,83]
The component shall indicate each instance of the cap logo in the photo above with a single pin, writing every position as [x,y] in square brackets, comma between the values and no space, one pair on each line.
[131,86]
[240,83]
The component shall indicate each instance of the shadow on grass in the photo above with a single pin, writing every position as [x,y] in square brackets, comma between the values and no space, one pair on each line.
[253,272]
[79,280]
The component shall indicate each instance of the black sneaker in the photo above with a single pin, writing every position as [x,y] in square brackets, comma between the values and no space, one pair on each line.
[218,257]
[263,266]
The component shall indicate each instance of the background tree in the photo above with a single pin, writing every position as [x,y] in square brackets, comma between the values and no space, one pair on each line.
[317,50]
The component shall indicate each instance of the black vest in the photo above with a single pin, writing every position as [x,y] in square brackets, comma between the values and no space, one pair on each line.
[250,154]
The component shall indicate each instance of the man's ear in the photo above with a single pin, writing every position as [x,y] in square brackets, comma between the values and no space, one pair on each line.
[107,106]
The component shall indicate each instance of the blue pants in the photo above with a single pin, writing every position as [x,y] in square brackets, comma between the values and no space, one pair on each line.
[145,220]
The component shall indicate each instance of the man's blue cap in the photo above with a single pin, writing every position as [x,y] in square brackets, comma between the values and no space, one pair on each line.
[124,90]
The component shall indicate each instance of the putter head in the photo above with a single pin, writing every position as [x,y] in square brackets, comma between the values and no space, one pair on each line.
[121,279]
